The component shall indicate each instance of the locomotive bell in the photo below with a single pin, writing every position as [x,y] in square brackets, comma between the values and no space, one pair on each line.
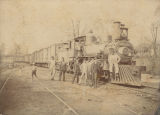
[124,32]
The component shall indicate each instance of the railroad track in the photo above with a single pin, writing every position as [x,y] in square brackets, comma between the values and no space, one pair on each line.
[59,98]
[135,89]
[88,93]
[6,80]
[145,90]
[4,84]
[118,87]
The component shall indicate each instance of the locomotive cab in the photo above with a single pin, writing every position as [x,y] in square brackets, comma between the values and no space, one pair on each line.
[79,43]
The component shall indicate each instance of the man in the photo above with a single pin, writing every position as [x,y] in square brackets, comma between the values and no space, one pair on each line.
[94,70]
[106,69]
[157,111]
[89,72]
[84,72]
[63,68]
[76,70]
[52,67]
[34,71]
[113,60]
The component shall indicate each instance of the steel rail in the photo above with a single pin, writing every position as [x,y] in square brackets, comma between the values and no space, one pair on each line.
[59,98]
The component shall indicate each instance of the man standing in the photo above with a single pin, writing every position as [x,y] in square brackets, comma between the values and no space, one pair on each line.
[93,73]
[63,68]
[34,71]
[52,67]
[113,60]
[106,69]
[95,68]
[89,72]
[76,71]
[84,72]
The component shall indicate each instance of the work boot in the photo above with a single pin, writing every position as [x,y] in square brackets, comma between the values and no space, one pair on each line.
[111,76]
[117,76]
[52,79]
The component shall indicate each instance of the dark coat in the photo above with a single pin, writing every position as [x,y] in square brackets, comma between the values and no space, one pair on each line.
[63,66]
[77,68]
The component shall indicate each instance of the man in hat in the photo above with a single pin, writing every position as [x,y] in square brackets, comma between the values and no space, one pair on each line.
[95,68]
[52,67]
[76,70]
[83,77]
[106,69]
[113,60]
[63,68]
[34,71]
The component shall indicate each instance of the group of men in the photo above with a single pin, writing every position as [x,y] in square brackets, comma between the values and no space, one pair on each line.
[87,72]
[62,69]
[82,71]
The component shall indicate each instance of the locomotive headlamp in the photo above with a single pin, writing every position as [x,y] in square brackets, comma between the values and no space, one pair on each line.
[124,51]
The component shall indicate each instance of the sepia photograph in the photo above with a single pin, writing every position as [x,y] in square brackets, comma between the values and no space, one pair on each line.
[79,57]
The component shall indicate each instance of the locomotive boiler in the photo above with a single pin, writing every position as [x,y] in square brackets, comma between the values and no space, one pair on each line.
[94,46]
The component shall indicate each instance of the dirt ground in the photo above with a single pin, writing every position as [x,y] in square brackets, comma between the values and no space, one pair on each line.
[21,96]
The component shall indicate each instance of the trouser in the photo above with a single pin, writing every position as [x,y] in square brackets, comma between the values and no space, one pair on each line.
[60,75]
[94,79]
[76,75]
[157,112]
[53,72]
[83,76]
[106,74]
[116,68]
[34,74]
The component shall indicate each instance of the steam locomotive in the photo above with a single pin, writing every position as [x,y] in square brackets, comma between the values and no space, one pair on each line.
[89,46]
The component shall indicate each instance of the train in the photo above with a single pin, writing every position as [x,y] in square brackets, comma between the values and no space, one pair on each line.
[89,46]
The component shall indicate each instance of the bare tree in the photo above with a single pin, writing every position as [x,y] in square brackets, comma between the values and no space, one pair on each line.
[74,33]
[76,28]
[154,30]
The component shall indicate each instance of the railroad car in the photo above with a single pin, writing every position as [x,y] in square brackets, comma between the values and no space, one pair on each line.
[42,57]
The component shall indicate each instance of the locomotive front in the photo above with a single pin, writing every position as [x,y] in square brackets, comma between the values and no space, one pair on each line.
[122,46]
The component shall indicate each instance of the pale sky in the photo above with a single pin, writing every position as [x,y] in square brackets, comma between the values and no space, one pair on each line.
[39,23]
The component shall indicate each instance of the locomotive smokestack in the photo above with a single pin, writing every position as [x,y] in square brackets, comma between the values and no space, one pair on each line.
[116,30]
